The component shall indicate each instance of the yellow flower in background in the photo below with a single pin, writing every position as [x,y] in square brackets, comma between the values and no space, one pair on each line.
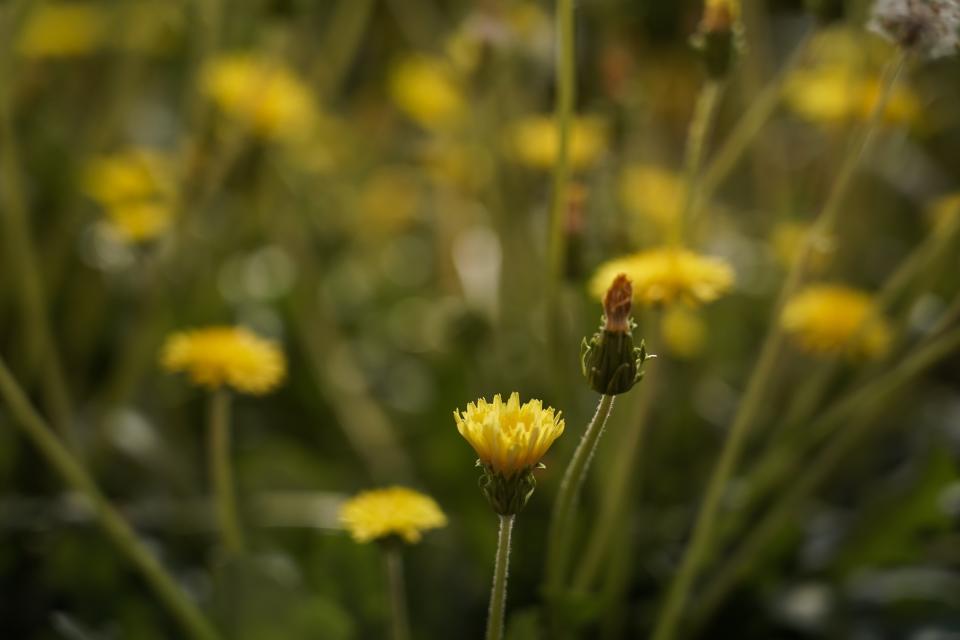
[63,29]
[425,89]
[666,275]
[787,239]
[394,511]
[833,319]
[652,192]
[135,174]
[534,141]
[261,94]
[389,200]
[225,356]
[683,331]
[509,437]
[945,212]
[135,222]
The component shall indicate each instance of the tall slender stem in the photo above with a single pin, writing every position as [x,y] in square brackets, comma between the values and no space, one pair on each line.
[498,595]
[566,80]
[560,534]
[221,472]
[193,622]
[704,114]
[399,624]
[698,549]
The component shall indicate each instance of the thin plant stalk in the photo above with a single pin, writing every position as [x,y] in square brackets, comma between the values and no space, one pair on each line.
[221,472]
[856,414]
[501,567]
[704,115]
[702,537]
[195,625]
[560,535]
[566,79]
[399,623]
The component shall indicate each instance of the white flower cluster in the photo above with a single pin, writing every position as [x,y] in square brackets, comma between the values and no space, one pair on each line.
[929,28]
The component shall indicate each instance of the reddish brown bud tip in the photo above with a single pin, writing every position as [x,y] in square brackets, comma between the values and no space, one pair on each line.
[617,304]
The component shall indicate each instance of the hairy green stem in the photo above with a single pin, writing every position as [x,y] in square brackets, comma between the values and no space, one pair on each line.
[399,624]
[221,472]
[498,595]
[702,538]
[193,622]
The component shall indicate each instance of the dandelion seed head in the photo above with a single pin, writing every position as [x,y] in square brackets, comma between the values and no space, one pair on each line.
[930,28]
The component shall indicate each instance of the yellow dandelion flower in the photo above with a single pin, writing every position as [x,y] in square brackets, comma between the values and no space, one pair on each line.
[261,94]
[666,275]
[684,332]
[945,212]
[509,437]
[389,200]
[134,174]
[138,221]
[535,141]
[394,511]
[231,356]
[652,192]
[836,93]
[425,89]
[787,239]
[833,319]
[63,29]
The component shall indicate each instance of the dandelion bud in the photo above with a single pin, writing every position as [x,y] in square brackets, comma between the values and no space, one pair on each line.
[610,362]
[926,27]
[717,36]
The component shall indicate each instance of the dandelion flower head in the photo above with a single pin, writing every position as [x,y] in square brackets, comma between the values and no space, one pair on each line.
[833,319]
[652,192]
[666,275]
[425,89]
[535,142]
[393,511]
[225,356]
[63,29]
[509,437]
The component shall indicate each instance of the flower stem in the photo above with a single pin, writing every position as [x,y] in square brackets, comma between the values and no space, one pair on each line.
[566,79]
[560,534]
[399,624]
[194,623]
[221,472]
[699,548]
[498,595]
[704,114]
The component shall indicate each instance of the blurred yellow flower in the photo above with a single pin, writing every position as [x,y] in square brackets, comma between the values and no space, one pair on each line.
[509,438]
[425,89]
[652,192]
[389,200]
[787,239]
[138,221]
[945,212]
[231,356]
[63,29]
[833,319]
[134,174]
[261,94]
[534,141]
[683,331]
[666,275]
[394,511]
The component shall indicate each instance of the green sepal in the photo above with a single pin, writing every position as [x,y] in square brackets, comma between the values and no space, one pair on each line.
[507,495]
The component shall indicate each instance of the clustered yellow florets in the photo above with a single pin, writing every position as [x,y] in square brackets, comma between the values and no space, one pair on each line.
[226,356]
[426,90]
[653,192]
[394,511]
[831,319]
[535,142]
[509,437]
[261,94]
[666,275]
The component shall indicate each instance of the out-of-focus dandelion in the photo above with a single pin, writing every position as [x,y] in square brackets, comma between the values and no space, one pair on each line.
[683,331]
[787,240]
[425,89]
[944,212]
[837,94]
[63,29]
[389,201]
[653,192]
[833,319]
[392,516]
[718,34]
[137,222]
[666,275]
[510,439]
[928,28]
[218,358]
[261,94]
[535,142]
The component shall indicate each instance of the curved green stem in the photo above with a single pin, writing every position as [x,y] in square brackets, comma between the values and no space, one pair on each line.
[221,472]
[399,624]
[560,534]
[193,622]
[498,595]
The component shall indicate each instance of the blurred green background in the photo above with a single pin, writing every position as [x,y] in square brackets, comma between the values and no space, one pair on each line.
[378,208]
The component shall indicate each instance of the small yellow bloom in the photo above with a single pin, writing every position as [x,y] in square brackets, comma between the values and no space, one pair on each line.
[787,239]
[394,511]
[138,221]
[666,275]
[63,29]
[653,192]
[684,331]
[425,89]
[832,319]
[231,356]
[135,174]
[836,94]
[535,141]
[261,94]
[389,200]
[509,438]
[945,212]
